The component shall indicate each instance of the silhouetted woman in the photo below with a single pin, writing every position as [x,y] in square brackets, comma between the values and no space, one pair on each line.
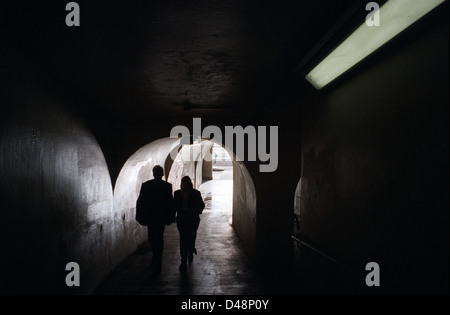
[188,205]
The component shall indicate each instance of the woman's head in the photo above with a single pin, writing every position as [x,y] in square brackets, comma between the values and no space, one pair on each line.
[186,183]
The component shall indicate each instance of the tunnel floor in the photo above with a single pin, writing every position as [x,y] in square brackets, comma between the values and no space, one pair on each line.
[222,266]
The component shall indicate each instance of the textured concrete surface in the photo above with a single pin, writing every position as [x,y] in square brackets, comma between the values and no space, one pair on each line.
[373,147]
[55,198]
[136,170]
[375,166]
[222,266]
[189,162]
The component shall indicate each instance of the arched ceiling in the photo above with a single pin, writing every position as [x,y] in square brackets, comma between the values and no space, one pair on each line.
[140,58]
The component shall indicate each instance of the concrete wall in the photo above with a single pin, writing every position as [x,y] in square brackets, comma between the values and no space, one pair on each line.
[244,207]
[207,166]
[57,200]
[56,197]
[136,170]
[275,198]
[375,165]
[190,161]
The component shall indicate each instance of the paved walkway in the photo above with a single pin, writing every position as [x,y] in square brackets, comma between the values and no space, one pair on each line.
[222,266]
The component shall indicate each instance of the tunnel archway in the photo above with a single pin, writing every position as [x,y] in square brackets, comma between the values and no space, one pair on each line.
[136,170]
[217,181]
[297,207]
[166,152]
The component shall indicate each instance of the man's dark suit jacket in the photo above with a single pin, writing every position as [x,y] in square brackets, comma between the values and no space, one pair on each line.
[155,203]
[195,205]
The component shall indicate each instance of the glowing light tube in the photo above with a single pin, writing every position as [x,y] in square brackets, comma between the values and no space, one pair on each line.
[394,16]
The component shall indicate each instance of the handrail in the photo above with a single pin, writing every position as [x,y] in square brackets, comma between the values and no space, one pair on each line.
[337,262]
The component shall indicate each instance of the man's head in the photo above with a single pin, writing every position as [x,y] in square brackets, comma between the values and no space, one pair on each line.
[186,183]
[158,172]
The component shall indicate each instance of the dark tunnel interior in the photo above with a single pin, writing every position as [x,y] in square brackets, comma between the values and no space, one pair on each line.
[87,111]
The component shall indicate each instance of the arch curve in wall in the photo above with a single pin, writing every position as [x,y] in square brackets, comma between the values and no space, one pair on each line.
[137,170]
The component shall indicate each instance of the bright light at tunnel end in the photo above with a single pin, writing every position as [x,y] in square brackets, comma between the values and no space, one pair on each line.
[394,17]
[256,142]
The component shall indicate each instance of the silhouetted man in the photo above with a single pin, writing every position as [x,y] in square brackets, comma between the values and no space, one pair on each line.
[188,205]
[154,209]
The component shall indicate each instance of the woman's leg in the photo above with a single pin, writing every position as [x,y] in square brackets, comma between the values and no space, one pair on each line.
[192,238]
[184,245]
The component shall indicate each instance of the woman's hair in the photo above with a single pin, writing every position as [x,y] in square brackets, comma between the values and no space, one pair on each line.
[187,180]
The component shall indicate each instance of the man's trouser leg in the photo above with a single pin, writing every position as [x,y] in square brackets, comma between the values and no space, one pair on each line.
[156,240]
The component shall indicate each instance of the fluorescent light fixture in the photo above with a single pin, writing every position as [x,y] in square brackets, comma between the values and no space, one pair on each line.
[395,16]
